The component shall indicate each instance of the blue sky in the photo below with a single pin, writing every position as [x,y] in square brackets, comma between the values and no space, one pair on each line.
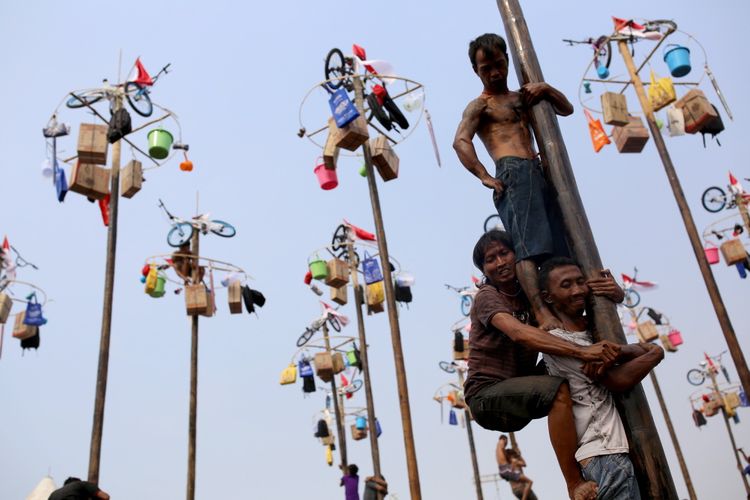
[239,73]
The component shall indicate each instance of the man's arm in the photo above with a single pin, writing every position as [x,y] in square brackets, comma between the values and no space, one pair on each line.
[534,92]
[606,286]
[639,360]
[604,352]
[464,145]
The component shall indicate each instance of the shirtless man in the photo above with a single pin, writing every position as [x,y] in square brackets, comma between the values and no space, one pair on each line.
[500,118]
[183,264]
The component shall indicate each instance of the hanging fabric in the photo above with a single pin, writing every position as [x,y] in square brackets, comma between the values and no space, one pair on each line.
[104,209]
[308,384]
[596,130]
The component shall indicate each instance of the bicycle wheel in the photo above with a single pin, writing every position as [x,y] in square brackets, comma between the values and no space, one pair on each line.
[339,239]
[395,113]
[305,337]
[139,99]
[334,322]
[714,199]
[377,111]
[493,222]
[632,298]
[696,376]
[85,99]
[223,229]
[447,366]
[179,234]
[354,386]
[603,51]
[466,302]
[335,68]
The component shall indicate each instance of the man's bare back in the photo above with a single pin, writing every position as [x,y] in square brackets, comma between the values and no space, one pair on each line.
[504,126]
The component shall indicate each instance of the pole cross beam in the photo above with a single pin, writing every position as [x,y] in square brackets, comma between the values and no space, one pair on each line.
[646,452]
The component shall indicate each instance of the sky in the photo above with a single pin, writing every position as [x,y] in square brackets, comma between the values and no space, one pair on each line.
[239,73]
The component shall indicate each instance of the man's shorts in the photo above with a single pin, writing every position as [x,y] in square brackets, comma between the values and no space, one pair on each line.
[506,472]
[509,405]
[528,213]
[614,475]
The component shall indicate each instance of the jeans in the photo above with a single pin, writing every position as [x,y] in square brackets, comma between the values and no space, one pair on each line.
[615,476]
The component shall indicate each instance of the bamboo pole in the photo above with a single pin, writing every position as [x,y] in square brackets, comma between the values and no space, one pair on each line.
[364,358]
[193,411]
[398,353]
[109,284]
[472,447]
[336,409]
[646,452]
[720,396]
[687,217]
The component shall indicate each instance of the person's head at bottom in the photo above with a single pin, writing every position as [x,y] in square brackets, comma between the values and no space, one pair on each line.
[563,286]
[71,479]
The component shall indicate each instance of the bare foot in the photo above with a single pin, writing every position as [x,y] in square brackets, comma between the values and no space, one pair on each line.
[547,320]
[584,491]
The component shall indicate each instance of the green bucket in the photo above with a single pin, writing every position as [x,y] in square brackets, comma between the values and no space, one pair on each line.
[159,142]
[319,269]
[363,170]
[159,288]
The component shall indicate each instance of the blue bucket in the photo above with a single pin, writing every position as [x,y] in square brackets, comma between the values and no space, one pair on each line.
[602,71]
[678,59]
[361,423]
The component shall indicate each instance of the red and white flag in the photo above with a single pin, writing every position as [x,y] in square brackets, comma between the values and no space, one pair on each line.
[8,263]
[631,28]
[628,281]
[734,185]
[359,232]
[344,320]
[139,74]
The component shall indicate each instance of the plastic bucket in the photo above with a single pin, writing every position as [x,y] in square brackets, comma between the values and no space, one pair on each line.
[677,58]
[326,177]
[361,423]
[675,337]
[159,142]
[602,71]
[319,269]
[159,288]
[363,170]
[712,255]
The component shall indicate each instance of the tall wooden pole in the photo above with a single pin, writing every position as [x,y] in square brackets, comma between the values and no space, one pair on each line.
[398,353]
[193,412]
[718,394]
[336,409]
[109,284]
[646,452]
[687,218]
[668,420]
[472,447]
[364,358]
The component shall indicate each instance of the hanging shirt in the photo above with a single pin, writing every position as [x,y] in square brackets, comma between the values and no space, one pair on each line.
[598,425]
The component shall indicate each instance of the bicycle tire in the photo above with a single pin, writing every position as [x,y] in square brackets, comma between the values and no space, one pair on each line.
[497,223]
[139,99]
[377,111]
[447,367]
[355,386]
[88,99]
[395,113]
[226,231]
[466,302]
[335,71]
[604,50]
[714,199]
[726,373]
[634,296]
[338,241]
[696,377]
[179,234]
[305,337]
[334,322]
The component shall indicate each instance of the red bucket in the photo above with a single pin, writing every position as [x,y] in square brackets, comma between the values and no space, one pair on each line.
[327,177]
[712,255]
[675,337]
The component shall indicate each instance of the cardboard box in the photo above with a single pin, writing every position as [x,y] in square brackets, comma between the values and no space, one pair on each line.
[631,138]
[330,150]
[338,273]
[131,178]
[338,362]
[21,330]
[733,252]
[384,158]
[461,355]
[615,108]
[696,109]
[196,299]
[211,307]
[323,362]
[92,144]
[6,304]
[89,180]
[339,295]
[666,343]
[358,434]
[235,297]
[353,135]
[647,331]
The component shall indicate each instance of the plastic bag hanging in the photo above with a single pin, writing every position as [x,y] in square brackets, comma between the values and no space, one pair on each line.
[33,315]
[371,269]
[596,130]
[452,419]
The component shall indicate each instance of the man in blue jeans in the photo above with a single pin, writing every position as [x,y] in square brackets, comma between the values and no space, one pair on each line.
[500,117]
[602,444]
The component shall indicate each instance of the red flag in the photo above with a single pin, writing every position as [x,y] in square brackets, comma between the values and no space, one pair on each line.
[104,208]
[631,28]
[734,185]
[627,280]
[140,75]
[359,232]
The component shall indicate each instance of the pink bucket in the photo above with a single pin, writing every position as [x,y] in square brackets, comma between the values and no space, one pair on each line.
[327,178]
[712,255]
[675,337]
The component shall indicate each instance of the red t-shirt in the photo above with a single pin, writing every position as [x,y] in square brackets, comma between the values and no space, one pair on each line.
[493,356]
